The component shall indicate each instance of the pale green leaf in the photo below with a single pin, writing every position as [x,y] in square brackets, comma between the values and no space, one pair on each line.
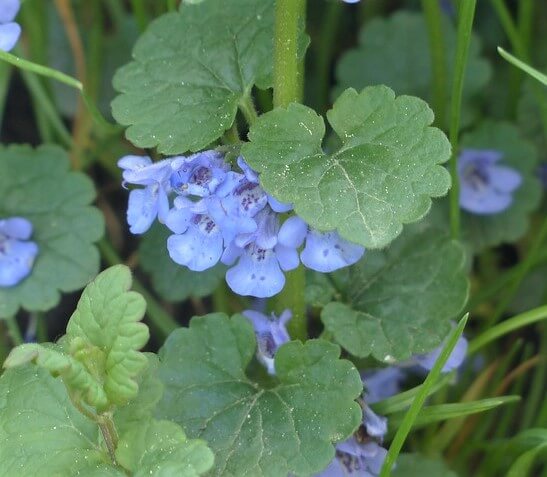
[75,375]
[524,464]
[42,433]
[36,184]
[106,334]
[401,299]
[383,176]
[285,427]
[160,448]
[190,71]
[174,282]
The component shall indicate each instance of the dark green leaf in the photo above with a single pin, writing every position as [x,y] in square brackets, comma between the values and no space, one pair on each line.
[401,300]
[36,184]
[256,430]
[395,51]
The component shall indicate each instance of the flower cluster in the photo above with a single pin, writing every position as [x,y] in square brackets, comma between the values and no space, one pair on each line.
[221,214]
[485,186]
[9,30]
[17,252]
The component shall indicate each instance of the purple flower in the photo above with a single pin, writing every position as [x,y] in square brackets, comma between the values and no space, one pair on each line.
[9,30]
[199,174]
[271,333]
[324,251]
[455,360]
[259,271]
[17,252]
[151,202]
[199,247]
[356,459]
[382,383]
[485,186]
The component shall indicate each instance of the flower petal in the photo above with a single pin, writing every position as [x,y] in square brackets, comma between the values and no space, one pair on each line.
[16,227]
[327,252]
[9,35]
[142,209]
[16,261]
[9,10]
[292,232]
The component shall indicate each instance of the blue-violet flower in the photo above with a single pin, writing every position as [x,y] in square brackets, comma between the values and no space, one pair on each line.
[9,30]
[17,252]
[485,186]
[271,333]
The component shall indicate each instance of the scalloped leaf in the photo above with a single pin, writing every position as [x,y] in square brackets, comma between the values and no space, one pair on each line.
[287,427]
[401,300]
[36,184]
[106,334]
[191,70]
[42,433]
[395,51]
[158,448]
[383,176]
[174,282]
[74,374]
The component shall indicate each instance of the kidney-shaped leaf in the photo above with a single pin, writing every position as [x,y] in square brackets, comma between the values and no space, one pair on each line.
[256,430]
[382,177]
[36,184]
[401,299]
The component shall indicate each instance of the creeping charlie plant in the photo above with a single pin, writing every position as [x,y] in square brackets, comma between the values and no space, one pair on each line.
[282,237]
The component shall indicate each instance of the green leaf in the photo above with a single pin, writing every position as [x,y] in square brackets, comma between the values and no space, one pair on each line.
[395,51]
[417,465]
[401,300]
[142,406]
[42,433]
[190,72]
[174,282]
[382,177]
[160,448]
[105,333]
[529,70]
[286,427]
[74,374]
[36,184]
[524,464]
[483,231]
[443,412]
[100,358]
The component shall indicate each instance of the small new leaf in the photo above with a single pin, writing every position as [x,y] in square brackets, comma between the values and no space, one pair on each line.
[105,333]
[158,448]
[401,300]
[36,184]
[255,430]
[383,176]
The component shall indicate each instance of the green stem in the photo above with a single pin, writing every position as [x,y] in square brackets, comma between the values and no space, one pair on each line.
[433,18]
[139,10]
[465,25]
[160,320]
[287,72]
[288,80]
[248,109]
[536,392]
[323,52]
[26,65]
[171,5]
[419,400]
[507,326]
[110,435]
[14,331]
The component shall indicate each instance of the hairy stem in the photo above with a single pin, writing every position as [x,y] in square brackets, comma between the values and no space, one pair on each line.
[288,81]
